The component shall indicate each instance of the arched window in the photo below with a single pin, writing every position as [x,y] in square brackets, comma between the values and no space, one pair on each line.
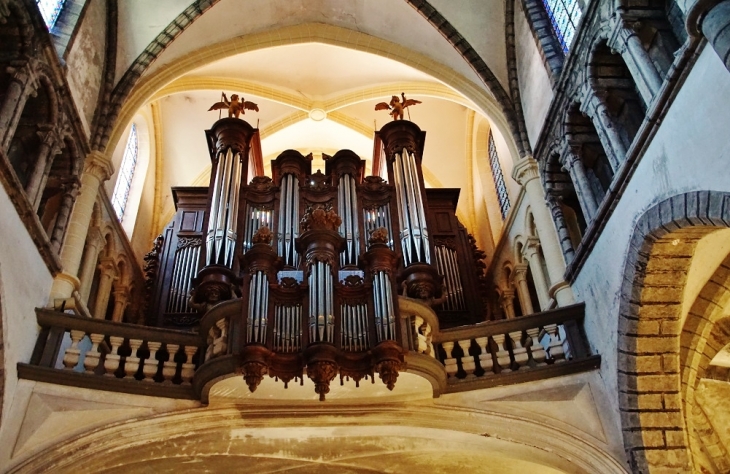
[564,16]
[126,173]
[498,178]
[50,11]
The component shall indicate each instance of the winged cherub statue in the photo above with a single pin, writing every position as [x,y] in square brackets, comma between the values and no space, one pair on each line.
[397,107]
[235,107]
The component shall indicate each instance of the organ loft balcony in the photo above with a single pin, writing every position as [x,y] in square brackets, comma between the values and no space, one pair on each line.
[312,285]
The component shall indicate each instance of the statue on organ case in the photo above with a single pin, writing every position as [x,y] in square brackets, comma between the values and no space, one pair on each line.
[397,107]
[235,107]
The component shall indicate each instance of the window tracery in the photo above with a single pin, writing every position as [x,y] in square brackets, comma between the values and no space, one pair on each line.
[499,185]
[50,10]
[564,16]
[126,173]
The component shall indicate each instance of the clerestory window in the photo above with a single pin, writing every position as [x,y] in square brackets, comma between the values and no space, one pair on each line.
[564,16]
[50,11]
[498,178]
[126,173]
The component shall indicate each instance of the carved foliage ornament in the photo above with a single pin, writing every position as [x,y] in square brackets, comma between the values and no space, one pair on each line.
[320,217]
[262,236]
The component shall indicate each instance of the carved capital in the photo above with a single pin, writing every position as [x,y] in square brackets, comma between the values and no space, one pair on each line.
[525,170]
[622,28]
[520,272]
[99,166]
[529,250]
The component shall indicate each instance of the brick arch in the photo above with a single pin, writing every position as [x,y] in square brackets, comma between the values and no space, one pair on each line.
[655,273]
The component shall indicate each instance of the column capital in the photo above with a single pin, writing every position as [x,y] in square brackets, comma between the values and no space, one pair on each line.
[532,244]
[525,170]
[520,272]
[94,237]
[622,28]
[107,267]
[21,71]
[99,165]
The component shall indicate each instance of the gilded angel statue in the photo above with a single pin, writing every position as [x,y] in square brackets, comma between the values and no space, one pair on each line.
[235,107]
[397,107]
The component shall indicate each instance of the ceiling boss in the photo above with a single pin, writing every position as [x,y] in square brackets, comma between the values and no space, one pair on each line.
[235,106]
[396,107]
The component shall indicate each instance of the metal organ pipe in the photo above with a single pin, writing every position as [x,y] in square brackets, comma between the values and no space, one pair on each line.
[383,304]
[347,207]
[289,219]
[414,234]
[221,239]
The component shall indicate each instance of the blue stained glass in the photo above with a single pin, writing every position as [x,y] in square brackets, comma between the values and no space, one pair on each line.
[564,16]
[498,178]
[126,173]
[50,10]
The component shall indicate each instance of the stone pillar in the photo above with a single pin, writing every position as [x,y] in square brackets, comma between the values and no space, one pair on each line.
[42,167]
[716,27]
[94,243]
[507,300]
[563,234]
[525,172]
[531,252]
[572,163]
[607,132]
[523,292]
[21,79]
[121,300]
[64,212]
[626,42]
[106,279]
[98,169]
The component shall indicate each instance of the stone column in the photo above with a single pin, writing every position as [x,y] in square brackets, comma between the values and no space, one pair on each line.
[716,27]
[525,172]
[563,234]
[626,42]
[531,252]
[507,300]
[572,163]
[607,132]
[121,300]
[21,79]
[94,243]
[523,292]
[42,167]
[98,169]
[64,212]
[106,279]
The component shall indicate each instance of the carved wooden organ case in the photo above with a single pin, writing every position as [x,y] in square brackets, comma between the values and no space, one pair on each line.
[318,260]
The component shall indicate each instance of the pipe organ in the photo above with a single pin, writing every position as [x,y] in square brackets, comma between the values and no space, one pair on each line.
[318,259]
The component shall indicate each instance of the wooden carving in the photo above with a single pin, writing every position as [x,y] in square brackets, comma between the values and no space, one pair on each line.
[235,106]
[396,107]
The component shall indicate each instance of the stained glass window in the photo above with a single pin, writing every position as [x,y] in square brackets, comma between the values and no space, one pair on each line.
[564,16]
[498,178]
[126,173]
[50,10]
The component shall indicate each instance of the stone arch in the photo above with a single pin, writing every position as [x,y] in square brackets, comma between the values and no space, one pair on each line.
[650,331]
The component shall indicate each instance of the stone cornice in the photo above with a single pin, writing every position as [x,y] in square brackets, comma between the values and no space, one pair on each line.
[525,170]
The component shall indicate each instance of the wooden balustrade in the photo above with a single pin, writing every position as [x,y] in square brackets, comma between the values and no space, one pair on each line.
[492,353]
[113,356]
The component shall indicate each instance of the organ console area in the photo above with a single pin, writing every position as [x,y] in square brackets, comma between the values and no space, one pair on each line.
[317,259]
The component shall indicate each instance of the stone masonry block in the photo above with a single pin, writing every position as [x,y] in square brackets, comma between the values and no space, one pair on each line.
[658,383]
[675,439]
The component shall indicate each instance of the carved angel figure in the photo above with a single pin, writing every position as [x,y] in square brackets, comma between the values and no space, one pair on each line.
[397,107]
[235,107]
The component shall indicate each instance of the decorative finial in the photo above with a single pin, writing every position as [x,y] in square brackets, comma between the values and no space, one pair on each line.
[235,106]
[379,236]
[396,106]
[320,217]
[262,236]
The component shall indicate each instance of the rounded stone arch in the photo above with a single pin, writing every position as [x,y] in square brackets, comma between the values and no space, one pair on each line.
[519,244]
[650,334]
[343,437]
[128,98]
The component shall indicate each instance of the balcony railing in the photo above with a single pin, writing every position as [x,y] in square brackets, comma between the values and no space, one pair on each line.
[105,355]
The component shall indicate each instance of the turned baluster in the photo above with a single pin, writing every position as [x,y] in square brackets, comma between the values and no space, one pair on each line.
[211,342]
[420,339]
[519,351]
[71,357]
[566,345]
[131,365]
[485,358]
[537,352]
[502,353]
[450,362]
[188,368]
[221,344]
[169,367]
[555,347]
[111,363]
[467,361]
[429,340]
[149,369]
[92,356]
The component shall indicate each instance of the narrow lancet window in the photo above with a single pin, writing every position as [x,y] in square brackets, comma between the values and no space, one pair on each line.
[50,10]
[126,173]
[564,16]
[498,178]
